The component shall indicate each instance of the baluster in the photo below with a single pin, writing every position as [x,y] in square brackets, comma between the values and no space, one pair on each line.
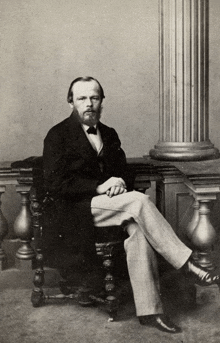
[204,190]
[192,225]
[22,225]
[203,236]
[3,233]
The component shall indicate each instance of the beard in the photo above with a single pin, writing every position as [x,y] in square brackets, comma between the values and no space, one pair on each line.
[89,117]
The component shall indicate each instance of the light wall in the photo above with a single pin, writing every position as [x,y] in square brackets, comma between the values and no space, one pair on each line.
[47,43]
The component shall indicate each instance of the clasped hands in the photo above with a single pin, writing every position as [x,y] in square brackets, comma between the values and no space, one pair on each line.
[111,187]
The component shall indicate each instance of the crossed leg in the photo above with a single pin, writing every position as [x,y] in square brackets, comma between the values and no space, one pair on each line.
[148,230]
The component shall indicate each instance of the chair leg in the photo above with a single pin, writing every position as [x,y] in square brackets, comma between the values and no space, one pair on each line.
[37,296]
[112,303]
[112,306]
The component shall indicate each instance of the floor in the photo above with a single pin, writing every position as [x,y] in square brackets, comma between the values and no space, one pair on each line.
[66,321]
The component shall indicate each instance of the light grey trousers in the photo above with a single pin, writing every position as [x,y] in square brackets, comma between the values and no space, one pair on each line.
[148,230]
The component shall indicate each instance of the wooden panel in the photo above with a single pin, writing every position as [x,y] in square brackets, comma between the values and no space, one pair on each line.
[175,203]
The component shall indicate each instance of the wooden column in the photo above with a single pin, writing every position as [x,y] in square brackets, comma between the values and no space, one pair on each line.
[184,81]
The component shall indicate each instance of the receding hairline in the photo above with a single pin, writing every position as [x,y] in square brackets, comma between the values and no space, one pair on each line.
[84,79]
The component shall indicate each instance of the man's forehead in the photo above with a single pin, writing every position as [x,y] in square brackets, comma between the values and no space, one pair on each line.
[85,87]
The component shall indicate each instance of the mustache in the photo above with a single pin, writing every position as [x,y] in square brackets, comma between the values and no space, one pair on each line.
[97,111]
[89,110]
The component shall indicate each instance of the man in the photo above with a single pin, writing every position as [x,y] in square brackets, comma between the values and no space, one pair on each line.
[85,169]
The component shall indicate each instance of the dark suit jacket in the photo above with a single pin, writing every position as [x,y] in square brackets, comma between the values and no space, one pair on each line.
[72,172]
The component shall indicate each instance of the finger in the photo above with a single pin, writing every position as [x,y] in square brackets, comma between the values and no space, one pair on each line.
[111,191]
[117,190]
[123,190]
[120,185]
[122,182]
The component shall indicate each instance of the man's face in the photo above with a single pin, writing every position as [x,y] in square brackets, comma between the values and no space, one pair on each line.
[87,102]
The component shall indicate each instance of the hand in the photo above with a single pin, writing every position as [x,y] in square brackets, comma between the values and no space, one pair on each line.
[112,182]
[115,190]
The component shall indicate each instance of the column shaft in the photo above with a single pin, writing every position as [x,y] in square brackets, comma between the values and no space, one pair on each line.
[184,81]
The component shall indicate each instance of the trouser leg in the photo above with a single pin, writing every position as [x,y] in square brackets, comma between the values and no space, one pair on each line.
[114,211]
[143,272]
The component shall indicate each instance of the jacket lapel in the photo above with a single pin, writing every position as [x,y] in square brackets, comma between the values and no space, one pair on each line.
[105,137]
[78,139]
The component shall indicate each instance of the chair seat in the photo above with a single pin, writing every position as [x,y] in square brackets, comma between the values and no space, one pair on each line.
[110,234]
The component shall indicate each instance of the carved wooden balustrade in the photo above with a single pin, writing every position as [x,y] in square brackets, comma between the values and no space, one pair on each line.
[170,179]
[22,180]
[177,184]
[198,184]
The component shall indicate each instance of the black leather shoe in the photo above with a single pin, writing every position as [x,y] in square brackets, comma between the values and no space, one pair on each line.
[203,277]
[161,322]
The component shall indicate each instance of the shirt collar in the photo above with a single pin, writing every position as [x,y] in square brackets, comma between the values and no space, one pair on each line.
[85,127]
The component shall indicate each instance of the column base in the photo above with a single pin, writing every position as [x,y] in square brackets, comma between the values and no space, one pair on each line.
[186,151]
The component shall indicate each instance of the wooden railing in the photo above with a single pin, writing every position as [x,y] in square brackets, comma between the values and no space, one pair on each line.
[170,179]
[22,179]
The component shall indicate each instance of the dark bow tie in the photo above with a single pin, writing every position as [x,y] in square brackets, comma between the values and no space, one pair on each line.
[92,130]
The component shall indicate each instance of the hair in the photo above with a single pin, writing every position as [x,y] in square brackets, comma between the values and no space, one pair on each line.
[83,79]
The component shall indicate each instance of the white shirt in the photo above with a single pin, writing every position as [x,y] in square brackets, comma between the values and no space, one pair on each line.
[95,140]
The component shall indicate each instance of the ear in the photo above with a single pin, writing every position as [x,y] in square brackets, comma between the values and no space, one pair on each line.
[71,105]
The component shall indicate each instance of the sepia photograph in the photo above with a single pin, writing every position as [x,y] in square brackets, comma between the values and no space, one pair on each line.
[109,171]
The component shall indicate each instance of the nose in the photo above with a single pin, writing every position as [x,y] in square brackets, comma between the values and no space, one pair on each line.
[88,102]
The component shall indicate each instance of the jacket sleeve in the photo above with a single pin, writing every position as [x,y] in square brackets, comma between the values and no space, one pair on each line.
[63,173]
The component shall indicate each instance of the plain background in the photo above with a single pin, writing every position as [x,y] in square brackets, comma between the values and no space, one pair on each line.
[46,44]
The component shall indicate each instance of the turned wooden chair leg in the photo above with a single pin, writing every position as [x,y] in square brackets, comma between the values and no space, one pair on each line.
[112,303]
[37,296]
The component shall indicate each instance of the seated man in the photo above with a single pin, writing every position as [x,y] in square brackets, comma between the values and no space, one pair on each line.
[85,172]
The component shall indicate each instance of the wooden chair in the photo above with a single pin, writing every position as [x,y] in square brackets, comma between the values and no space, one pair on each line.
[109,244]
